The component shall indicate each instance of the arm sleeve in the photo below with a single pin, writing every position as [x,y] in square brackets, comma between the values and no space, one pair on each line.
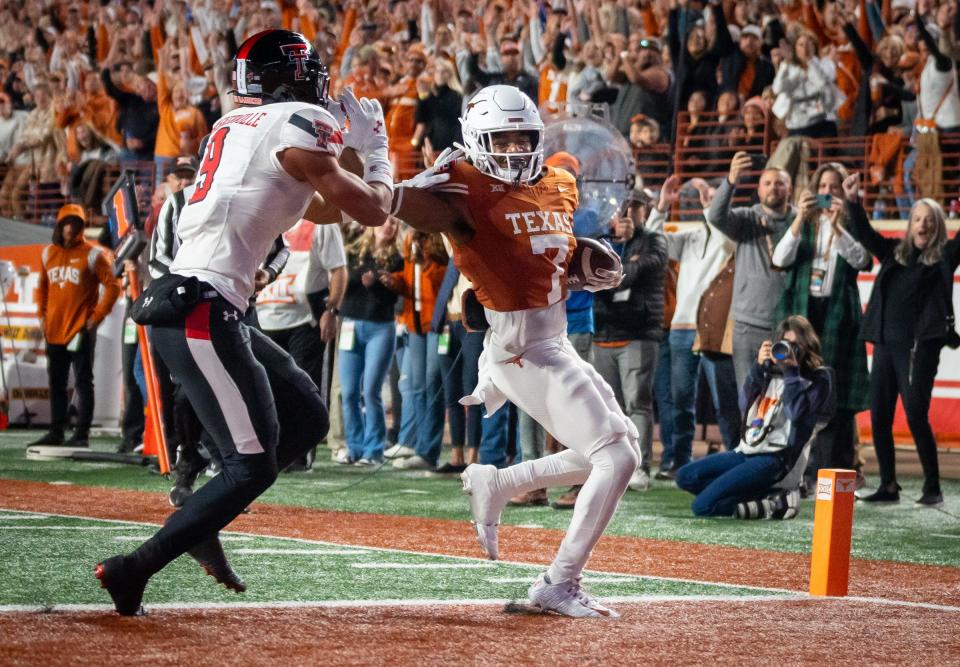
[651,262]
[786,251]
[736,224]
[276,258]
[44,288]
[848,248]
[859,46]
[313,129]
[942,61]
[162,243]
[111,288]
[863,231]
[803,397]
[752,386]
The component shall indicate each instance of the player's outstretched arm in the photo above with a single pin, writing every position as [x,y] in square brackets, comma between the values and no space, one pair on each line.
[367,203]
[427,212]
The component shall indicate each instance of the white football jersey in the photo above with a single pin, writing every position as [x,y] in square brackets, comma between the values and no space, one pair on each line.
[242,198]
[315,250]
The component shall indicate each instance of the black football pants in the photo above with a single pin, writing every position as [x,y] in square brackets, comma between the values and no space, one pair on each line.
[258,407]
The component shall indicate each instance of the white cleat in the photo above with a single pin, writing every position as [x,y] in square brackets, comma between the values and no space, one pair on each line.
[567,598]
[479,482]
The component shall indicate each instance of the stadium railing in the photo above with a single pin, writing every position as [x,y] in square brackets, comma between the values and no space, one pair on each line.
[41,200]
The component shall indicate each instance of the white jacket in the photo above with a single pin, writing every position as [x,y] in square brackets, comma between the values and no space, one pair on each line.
[701,256]
[807,95]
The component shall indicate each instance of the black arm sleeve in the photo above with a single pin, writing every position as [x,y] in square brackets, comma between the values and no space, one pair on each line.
[121,97]
[674,41]
[477,74]
[943,62]
[859,46]
[557,57]
[724,45]
[231,41]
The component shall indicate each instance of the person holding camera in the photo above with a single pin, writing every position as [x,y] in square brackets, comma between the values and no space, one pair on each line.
[909,319]
[756,230]
[786,393]
[821,262]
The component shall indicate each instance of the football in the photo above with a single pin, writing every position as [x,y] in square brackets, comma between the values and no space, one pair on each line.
[589,256]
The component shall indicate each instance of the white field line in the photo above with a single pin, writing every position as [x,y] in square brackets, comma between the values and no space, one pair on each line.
[21,517]
[64,527]
[421,566]
[626,579]
[301,552]
[339,604]
[951,537]
[144,538]
[418,492]
[301,540]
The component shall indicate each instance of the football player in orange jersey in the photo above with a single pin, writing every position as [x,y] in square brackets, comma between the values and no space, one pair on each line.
[509,220]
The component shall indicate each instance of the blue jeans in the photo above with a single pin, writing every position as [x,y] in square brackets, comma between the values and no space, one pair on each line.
[684,366]
[458,369]
[494,437]
[663,394]
[362,372]
[430,409]
[718,369]
[727,478]
[414,424]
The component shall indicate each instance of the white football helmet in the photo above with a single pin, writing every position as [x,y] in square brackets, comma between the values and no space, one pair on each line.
[502,109]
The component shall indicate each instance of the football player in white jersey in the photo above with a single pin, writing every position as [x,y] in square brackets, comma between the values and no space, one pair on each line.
[509,220]
[267,164]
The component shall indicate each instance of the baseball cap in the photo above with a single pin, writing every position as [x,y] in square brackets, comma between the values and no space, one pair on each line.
[185,165]
[752,30]
[72,211]
[509,46]
[565,160]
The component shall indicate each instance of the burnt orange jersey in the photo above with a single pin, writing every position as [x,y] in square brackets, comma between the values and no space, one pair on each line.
[518,256]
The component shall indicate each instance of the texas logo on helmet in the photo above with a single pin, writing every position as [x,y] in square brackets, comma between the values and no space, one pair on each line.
[298,55]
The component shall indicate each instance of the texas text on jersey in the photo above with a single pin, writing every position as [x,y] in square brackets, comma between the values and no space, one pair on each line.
[243,198]
[523,238]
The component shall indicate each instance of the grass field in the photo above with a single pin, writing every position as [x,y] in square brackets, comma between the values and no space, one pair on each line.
[388,542]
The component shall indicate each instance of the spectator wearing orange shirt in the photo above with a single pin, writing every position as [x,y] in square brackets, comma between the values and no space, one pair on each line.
[182,125]
[71,308]
[401,118]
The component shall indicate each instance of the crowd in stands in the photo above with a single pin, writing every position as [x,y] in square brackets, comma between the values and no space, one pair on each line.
[703,92]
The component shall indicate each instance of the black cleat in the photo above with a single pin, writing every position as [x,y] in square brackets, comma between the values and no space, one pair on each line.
[124,584]
[78,439]
[53,437]
[211,557]
[188,467]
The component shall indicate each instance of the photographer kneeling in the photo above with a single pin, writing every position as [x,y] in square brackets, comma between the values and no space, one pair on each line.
[783,398]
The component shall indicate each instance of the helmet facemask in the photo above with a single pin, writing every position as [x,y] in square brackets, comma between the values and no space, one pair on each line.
[514,167]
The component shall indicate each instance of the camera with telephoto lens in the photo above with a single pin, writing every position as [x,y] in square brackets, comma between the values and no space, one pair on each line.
[782,350]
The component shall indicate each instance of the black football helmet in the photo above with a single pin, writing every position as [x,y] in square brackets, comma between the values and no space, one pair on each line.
[279,66]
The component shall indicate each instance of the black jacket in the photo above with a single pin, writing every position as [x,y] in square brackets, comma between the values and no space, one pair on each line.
[634,311]
[524,81]
[935,291]
[733,65]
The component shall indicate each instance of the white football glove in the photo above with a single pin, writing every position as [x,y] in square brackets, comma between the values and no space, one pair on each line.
[432,178]
[368,136]
[367,129]
[606,278]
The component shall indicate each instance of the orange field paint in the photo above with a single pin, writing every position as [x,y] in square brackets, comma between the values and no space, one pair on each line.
[832,527]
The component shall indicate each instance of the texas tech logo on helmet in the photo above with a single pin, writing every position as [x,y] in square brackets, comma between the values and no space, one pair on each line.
[298,55]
